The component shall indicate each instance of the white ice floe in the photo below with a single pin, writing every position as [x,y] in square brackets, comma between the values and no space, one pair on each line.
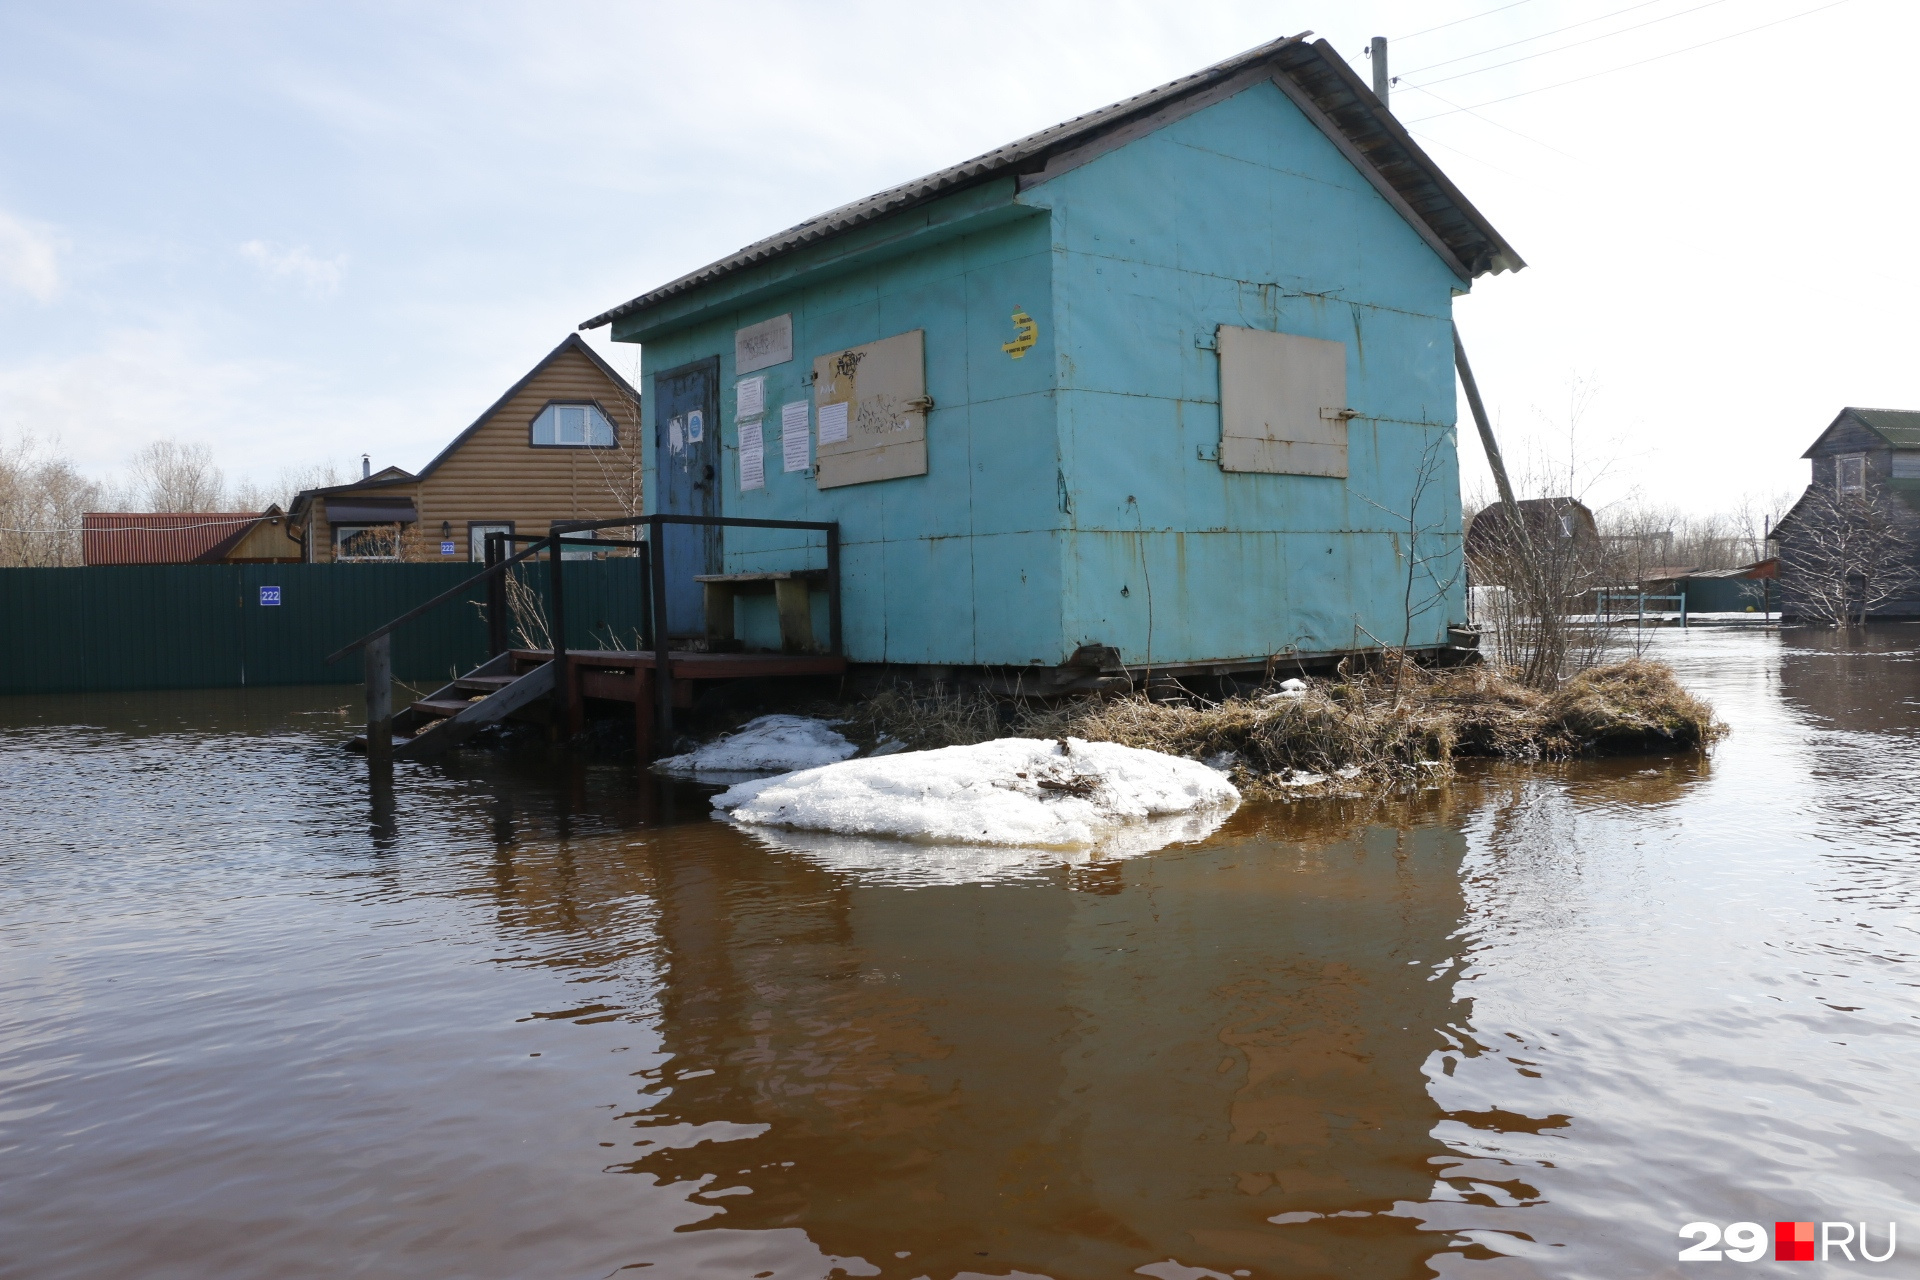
[770,744]
[1030,793]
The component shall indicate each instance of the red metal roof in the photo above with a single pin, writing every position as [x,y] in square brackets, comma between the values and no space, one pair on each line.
[150,537]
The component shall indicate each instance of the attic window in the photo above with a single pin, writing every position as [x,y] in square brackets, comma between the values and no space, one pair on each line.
[1850,472]
[573,425]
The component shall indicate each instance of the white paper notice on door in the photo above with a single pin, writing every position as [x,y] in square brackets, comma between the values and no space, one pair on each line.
[794,452]
[833,422]
[751,398]
[753,457]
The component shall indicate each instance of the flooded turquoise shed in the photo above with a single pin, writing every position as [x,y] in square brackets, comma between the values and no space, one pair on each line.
[1169,385]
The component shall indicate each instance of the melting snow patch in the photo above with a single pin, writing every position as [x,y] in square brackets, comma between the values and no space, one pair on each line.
[770,744]
[1025,792]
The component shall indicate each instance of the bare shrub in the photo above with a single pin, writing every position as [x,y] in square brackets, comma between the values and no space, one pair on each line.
[171,476]
[527,613]
[42,500]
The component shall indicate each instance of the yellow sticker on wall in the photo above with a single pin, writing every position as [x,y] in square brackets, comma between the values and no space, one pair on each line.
[1026,331]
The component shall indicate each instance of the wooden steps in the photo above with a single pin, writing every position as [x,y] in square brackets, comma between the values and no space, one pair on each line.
[441,708]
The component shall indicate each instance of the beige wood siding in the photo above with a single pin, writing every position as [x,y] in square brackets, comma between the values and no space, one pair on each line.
[496,474]
[265,541]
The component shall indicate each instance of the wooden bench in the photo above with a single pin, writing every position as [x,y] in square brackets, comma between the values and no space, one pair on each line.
[792,600]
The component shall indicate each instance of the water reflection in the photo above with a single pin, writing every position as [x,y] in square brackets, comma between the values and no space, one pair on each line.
[1117,1064]
[539,1014]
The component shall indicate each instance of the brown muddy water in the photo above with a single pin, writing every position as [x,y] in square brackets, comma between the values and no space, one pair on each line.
[542,1019]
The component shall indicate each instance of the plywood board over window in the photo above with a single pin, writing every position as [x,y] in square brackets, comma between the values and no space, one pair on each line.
[1283,403]
[870,404]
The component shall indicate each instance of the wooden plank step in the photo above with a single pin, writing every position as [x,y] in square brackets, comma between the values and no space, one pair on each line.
[441,706]
[484,684]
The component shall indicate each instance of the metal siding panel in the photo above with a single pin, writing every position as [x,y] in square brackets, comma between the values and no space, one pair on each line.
[1257,223]
[989,410]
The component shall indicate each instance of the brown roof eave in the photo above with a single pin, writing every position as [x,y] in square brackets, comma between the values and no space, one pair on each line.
[1378,141]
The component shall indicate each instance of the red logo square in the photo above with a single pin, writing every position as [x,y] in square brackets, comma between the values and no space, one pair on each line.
[1793,1242]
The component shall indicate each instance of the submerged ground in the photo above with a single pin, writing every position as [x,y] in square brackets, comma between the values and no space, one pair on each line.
[539,1019]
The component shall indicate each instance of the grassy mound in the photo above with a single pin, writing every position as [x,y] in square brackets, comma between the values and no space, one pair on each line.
[1339,730]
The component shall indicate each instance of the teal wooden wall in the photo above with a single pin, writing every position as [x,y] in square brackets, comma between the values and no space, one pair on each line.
[1066,500]
[1245,214]
[188,626]
[961,565]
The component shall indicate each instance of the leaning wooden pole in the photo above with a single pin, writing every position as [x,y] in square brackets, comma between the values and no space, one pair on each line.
[1487,441]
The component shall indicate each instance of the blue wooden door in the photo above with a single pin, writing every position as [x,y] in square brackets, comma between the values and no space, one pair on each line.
[686,443]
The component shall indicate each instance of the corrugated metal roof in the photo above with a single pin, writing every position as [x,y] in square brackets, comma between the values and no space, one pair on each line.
[1314,69]
[1901,427]
[148,537]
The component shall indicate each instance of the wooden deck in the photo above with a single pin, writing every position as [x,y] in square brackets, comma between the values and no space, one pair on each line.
[621,675]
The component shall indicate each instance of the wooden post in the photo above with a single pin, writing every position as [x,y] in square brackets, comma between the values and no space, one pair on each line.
[643,712]
[496,598]
[662,659]
[377,664]
[1487,442]
[833,590]
[557,619]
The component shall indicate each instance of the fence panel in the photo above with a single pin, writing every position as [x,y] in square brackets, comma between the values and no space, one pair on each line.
[126,627]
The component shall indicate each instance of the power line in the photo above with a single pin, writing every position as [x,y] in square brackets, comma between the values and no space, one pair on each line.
[130,528]
[1608,35]
[1629,66]
[1447,62]
[1471,17]
[1495,123]
[1433,141]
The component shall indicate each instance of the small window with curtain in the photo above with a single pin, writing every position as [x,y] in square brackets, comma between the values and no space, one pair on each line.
[573,425]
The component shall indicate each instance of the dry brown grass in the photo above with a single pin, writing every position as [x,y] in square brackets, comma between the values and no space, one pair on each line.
[1349,728]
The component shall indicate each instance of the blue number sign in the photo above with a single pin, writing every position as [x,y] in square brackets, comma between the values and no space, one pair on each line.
[269,596]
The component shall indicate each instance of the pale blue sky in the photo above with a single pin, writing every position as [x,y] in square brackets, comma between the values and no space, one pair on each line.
[301,232]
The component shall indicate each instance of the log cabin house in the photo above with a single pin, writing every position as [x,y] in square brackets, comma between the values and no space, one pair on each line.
[561,444]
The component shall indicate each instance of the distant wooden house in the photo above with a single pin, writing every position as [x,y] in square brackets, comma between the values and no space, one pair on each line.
[1557,524]
[1871,453]
[559,445]
[1159,386]
[181,537]
[1742,589]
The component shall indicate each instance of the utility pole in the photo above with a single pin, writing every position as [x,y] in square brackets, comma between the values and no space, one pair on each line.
[1379,51]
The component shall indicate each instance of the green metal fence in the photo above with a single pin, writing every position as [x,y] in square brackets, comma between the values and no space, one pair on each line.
[192,626]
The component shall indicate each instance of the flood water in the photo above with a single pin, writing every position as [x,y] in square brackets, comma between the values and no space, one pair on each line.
[546,1019]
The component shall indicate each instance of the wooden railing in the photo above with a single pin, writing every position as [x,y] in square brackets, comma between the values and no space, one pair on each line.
[377,644]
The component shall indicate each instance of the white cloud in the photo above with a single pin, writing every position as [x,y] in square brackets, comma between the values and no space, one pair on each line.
[29,258]
[298,264]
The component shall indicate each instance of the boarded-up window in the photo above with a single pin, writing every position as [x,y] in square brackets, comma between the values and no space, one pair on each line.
[1850,472]
[871,406]
[1282,403]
